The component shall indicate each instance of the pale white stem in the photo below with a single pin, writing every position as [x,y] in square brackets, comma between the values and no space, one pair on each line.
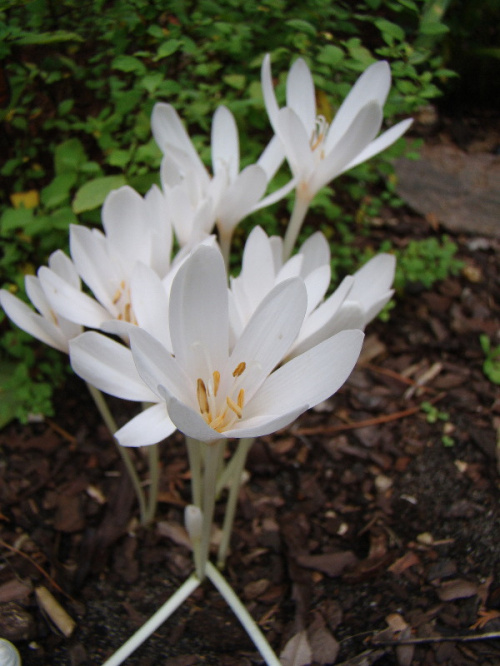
[194,455]
[213,452]
[154,478]
[125,454]
[242,614]
[193,520]
[237,466]
[154,621]
[300,208]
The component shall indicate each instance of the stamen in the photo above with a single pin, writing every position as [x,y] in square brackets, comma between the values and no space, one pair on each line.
[117,296]
[216,376]
[241,398]
[218,422]
[128,308]
[234,407]
[201,394]
[239,369]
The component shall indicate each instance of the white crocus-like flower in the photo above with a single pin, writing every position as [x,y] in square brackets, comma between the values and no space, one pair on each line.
[356,301]
[123,267]
[316,151]
[213,391]
[263,268]
[48,326]
[200,201]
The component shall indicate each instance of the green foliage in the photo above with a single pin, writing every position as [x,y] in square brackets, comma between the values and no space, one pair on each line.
[83,84]
[424,262]
[491,364]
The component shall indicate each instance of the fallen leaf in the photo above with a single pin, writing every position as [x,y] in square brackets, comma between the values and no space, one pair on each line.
[457,589]
[297,652]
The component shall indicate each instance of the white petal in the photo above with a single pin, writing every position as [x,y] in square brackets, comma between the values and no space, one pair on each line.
[61,264]
[373,279]
[300,95]
[123,218]
[150,303]
[24,317]
[317,283]
[372,86]
[92,261]
[272,107]
[348,317]
[264,424]
[225,143]
[310,378]
[199,318]
[316,252]
[157,367]
[108,365]
[361,131]
[71,303]
[149,427]
[272,157]
[240,198]
[190,422]
[270,333]
[167,128]
[296,143]
[381,142]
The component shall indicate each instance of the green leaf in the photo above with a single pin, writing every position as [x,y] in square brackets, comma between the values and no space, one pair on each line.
[69,156]
[29,38]
[16,218]
[127,63]
[391,29]
[302,26]
[167,48]
[330,55]
[237,81]
[57,192]
[92,194]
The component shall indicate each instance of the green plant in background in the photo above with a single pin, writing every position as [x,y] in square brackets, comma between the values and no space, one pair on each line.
[491,364]
[82,87]
[434,415]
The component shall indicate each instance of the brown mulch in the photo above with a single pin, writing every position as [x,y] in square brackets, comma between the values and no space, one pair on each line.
[368,521]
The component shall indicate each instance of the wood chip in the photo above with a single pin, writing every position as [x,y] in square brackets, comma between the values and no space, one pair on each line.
[55,611]
[457,589]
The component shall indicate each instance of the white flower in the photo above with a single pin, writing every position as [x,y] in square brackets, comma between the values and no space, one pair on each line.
[199,201]
[355,302]
[48,326]
[123,267]
[263,268]
[318,152]
[213,392]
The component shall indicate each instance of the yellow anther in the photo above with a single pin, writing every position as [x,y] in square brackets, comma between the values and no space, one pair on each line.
[201,394]
[234,407]
[128,309]
[239,369]
[218,422]
[216,377]
[241,398]
[117,296]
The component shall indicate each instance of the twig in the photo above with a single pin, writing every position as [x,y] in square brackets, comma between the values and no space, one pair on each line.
[491,635]
[385,418]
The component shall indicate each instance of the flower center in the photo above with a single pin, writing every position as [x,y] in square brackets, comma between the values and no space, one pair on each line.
[220,414]
[319,134]
[122,301]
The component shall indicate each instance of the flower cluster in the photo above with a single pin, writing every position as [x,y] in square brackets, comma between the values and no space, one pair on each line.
[212,355]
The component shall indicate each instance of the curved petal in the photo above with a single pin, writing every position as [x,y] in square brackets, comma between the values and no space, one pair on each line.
[300,94]
[109,366]
[71,303]
[296,143]
[240,198]
[199,318]
[157,367]
[270,333]
[167,128]
[373,279]
[272,157]
[190,422]
[348,317]
[381,142]
[361,131]
[225,143]
[62,265]
[316,252]
[372,86]
[150,303]
[310,378]
[264,424]
[31,322]
[270,102]
[149,427]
